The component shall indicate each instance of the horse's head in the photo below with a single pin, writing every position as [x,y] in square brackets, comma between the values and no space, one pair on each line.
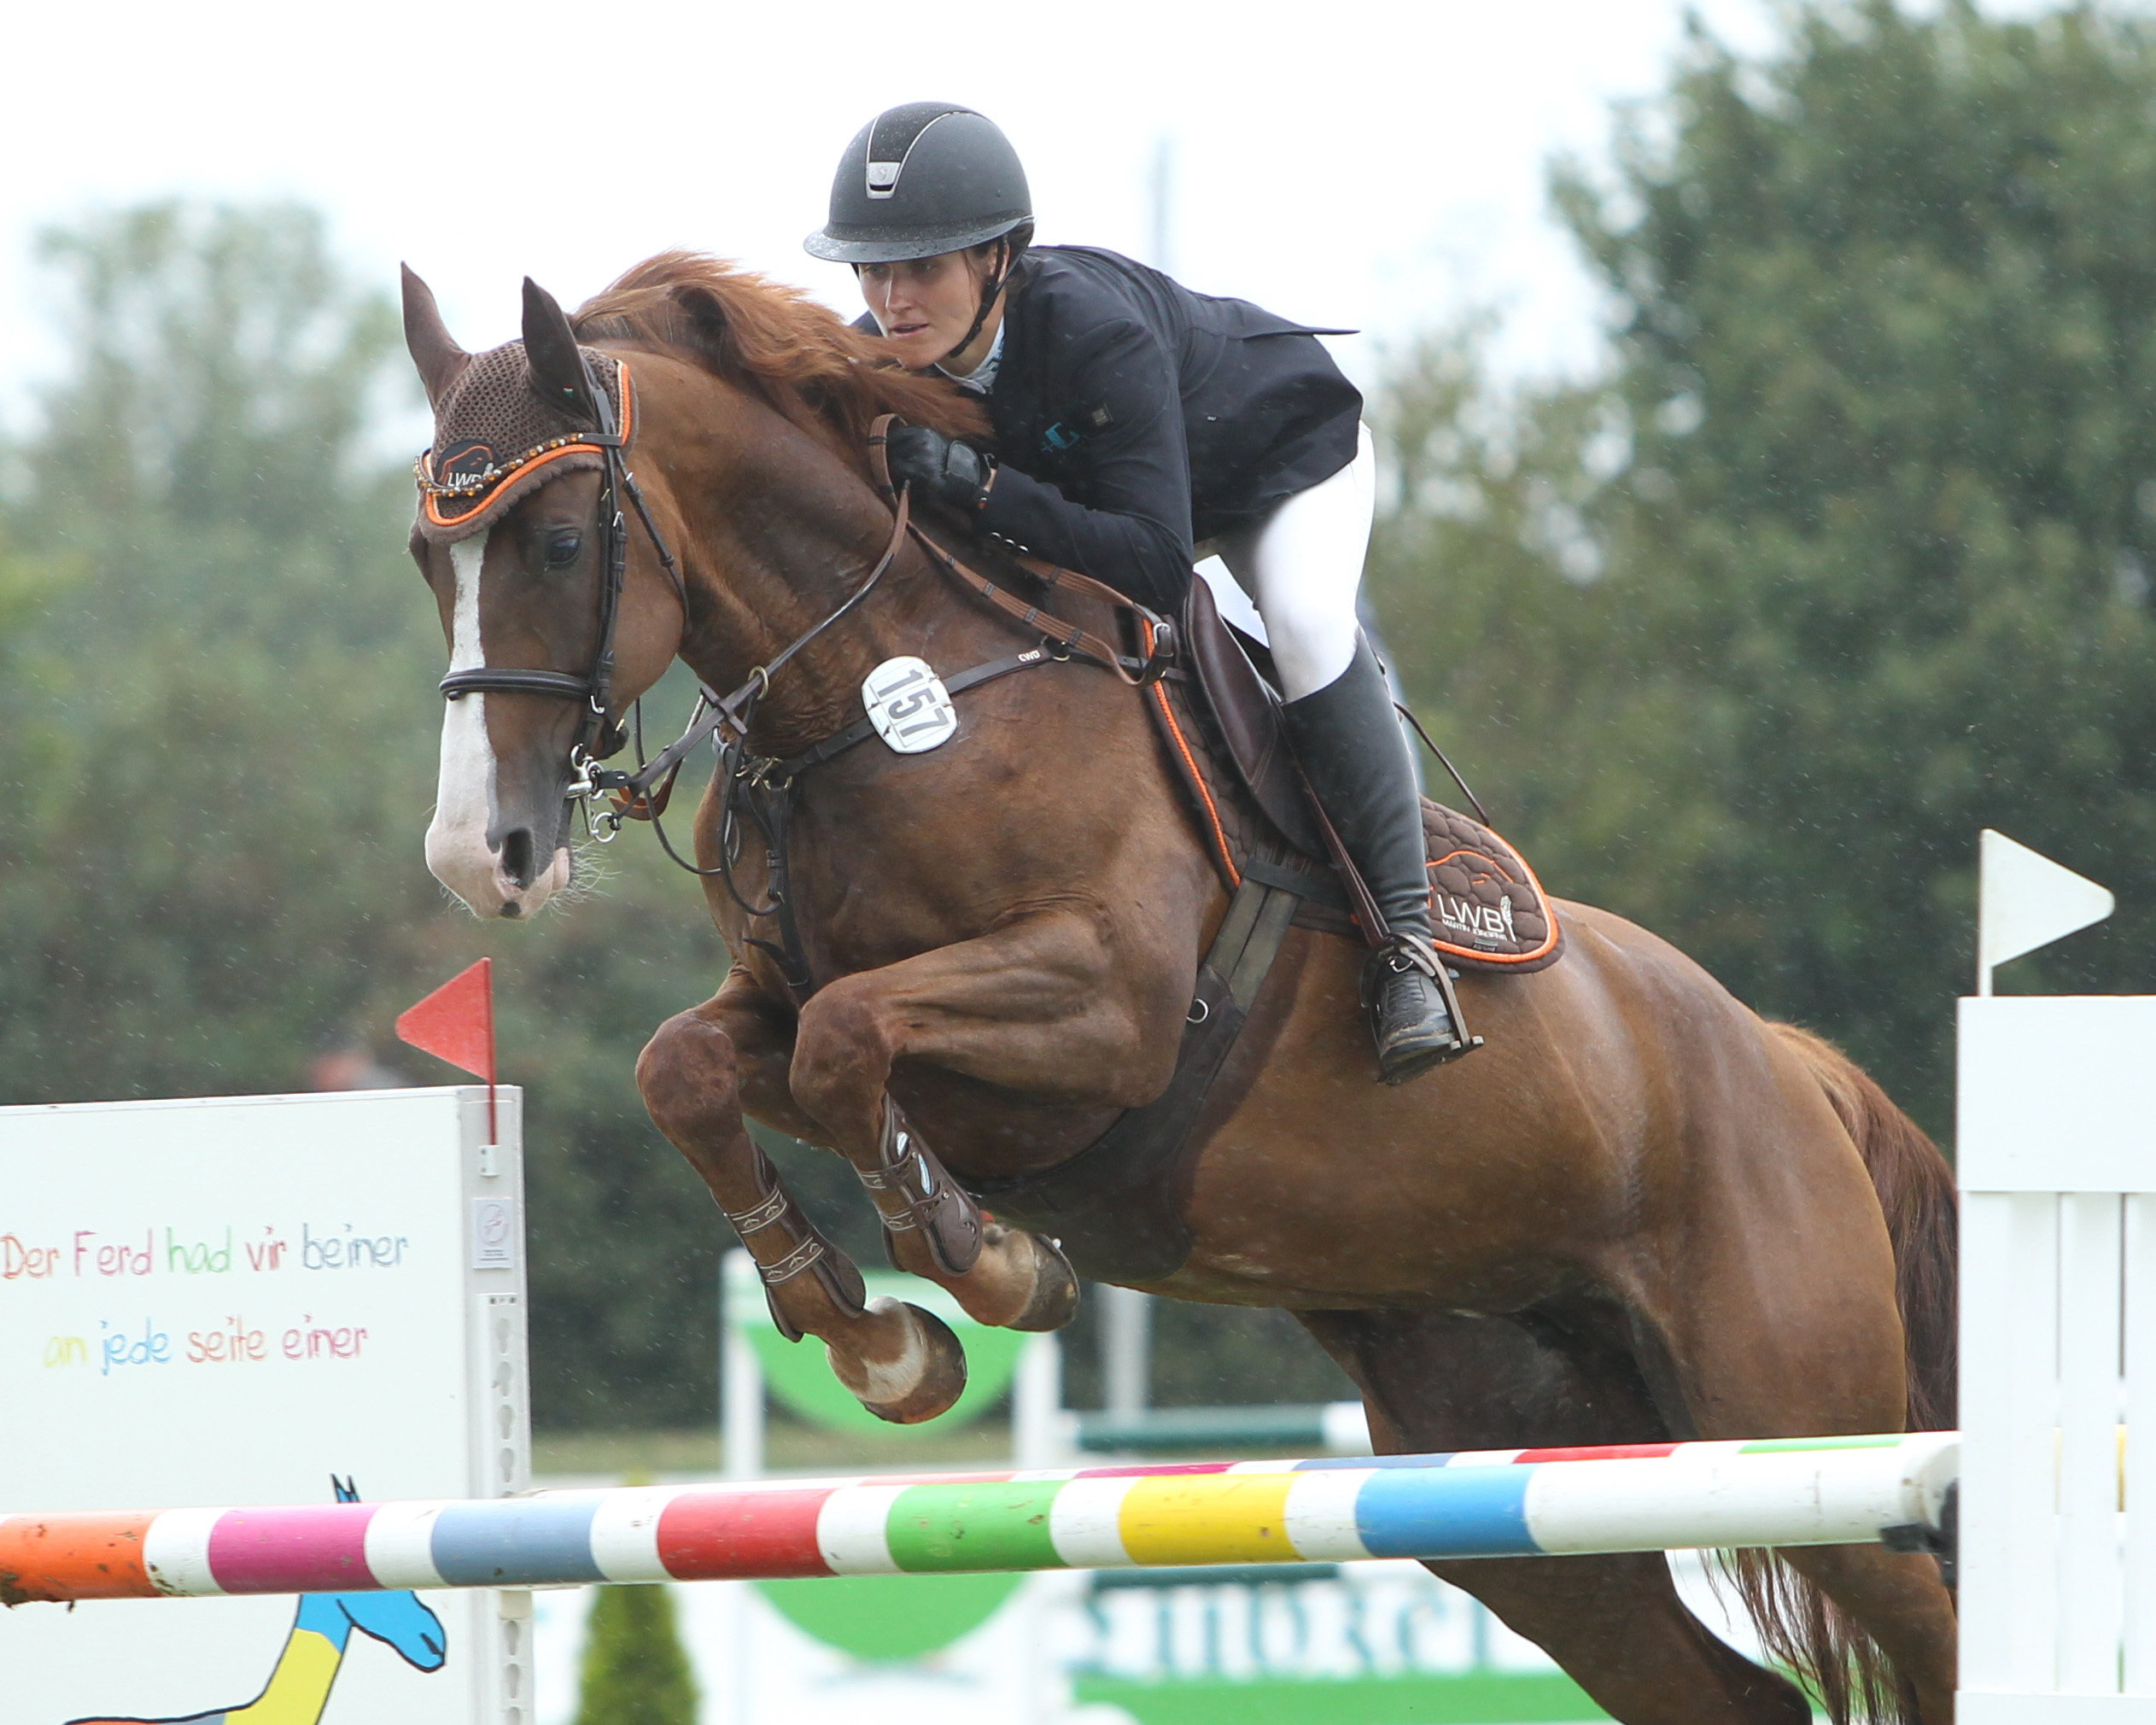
[521,536]
[398,1620]
[558,597]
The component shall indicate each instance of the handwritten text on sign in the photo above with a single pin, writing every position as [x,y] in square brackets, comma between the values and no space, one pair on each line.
[281,1263]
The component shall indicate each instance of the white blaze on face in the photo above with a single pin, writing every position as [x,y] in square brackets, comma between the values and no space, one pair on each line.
[466,797]
[457,850]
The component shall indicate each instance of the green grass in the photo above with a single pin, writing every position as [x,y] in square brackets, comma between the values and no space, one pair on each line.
[788,1446]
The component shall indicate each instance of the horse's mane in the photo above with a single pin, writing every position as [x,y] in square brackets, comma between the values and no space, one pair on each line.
[826,377]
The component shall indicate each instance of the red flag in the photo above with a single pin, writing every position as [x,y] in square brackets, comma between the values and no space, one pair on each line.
[456,1023]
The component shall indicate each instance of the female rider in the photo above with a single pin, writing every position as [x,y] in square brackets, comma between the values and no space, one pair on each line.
[1134,420]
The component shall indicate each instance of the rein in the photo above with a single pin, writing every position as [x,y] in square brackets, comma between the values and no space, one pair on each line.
[764,784]
[643,794]
[1074,642]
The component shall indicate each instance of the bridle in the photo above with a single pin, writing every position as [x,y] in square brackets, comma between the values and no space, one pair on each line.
[598,736]
[642,794]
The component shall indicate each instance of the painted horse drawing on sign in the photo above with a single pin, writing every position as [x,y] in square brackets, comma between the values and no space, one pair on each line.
[300,1683]
[1639,1213]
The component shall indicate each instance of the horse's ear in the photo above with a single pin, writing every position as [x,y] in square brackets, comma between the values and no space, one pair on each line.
[708,317]
[550,349]
[433,350]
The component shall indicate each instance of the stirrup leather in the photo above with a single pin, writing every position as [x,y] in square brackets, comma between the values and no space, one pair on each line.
[912,1191]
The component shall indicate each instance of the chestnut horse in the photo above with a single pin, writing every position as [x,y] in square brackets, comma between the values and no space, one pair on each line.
[1640,1212]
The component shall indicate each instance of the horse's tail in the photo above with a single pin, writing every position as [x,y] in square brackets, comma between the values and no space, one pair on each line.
[1798,1626]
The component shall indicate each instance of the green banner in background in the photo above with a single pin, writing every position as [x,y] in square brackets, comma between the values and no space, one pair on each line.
[897,1619]
[1472,1698]
[881,1618]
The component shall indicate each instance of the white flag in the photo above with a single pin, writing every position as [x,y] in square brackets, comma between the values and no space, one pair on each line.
[2025,901]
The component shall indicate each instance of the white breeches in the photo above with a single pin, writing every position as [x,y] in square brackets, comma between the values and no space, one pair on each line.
[1303,565]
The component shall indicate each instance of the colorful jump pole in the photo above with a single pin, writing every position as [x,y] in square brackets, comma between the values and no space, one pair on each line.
[1489,1503]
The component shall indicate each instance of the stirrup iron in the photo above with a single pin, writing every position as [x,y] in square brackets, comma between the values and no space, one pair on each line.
[1406,952]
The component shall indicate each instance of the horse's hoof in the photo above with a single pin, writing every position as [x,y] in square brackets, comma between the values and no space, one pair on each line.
[1054,1300]
[926,1377]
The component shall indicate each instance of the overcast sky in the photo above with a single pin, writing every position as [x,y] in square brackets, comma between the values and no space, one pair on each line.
[1357,162]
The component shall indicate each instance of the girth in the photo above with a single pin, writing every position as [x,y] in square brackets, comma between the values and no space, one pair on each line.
[1116,1207]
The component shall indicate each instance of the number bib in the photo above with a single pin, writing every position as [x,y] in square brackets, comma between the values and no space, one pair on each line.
[908,706]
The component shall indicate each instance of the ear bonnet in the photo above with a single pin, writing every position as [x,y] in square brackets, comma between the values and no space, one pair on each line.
[497,440]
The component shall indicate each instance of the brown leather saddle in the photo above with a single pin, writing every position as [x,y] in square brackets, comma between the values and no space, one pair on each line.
[1488,912]
[1116,1207]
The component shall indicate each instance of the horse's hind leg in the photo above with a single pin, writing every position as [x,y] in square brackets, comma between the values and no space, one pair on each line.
[1902,1605]
[1615,1624]
[1778,1318]
[903,1363]
[1619,1628]
[1763,1383]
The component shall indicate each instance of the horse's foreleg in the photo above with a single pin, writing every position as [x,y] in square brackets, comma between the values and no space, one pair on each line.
[1033,1006]
[903,1363]
[762,1032]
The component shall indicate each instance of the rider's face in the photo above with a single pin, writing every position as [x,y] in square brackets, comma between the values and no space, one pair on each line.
[924,305]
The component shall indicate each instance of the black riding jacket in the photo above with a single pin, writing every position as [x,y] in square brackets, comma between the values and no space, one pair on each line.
[1133,417]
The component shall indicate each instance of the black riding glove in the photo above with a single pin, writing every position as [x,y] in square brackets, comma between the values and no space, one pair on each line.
[939,469]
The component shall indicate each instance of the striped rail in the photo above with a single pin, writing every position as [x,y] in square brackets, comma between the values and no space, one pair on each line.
[1486,1503]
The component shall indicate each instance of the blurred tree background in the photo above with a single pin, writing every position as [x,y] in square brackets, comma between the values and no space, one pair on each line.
[222,666]
[1847,553]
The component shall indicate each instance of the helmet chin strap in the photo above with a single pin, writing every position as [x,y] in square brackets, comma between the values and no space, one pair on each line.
[990,290]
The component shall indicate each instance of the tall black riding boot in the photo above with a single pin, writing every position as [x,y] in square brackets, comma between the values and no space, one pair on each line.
[1351,748]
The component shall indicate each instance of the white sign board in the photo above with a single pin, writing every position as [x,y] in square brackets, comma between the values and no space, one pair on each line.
[231,1302]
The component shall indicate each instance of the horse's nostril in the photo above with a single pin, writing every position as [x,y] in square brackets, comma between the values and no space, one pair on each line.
[516,857]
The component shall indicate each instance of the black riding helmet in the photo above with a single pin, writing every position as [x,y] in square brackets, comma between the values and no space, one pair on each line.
[922,179]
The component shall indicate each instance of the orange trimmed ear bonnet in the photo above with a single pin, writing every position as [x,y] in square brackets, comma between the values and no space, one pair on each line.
[497,440]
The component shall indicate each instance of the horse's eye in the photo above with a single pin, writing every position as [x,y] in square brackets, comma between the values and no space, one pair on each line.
[561,549]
